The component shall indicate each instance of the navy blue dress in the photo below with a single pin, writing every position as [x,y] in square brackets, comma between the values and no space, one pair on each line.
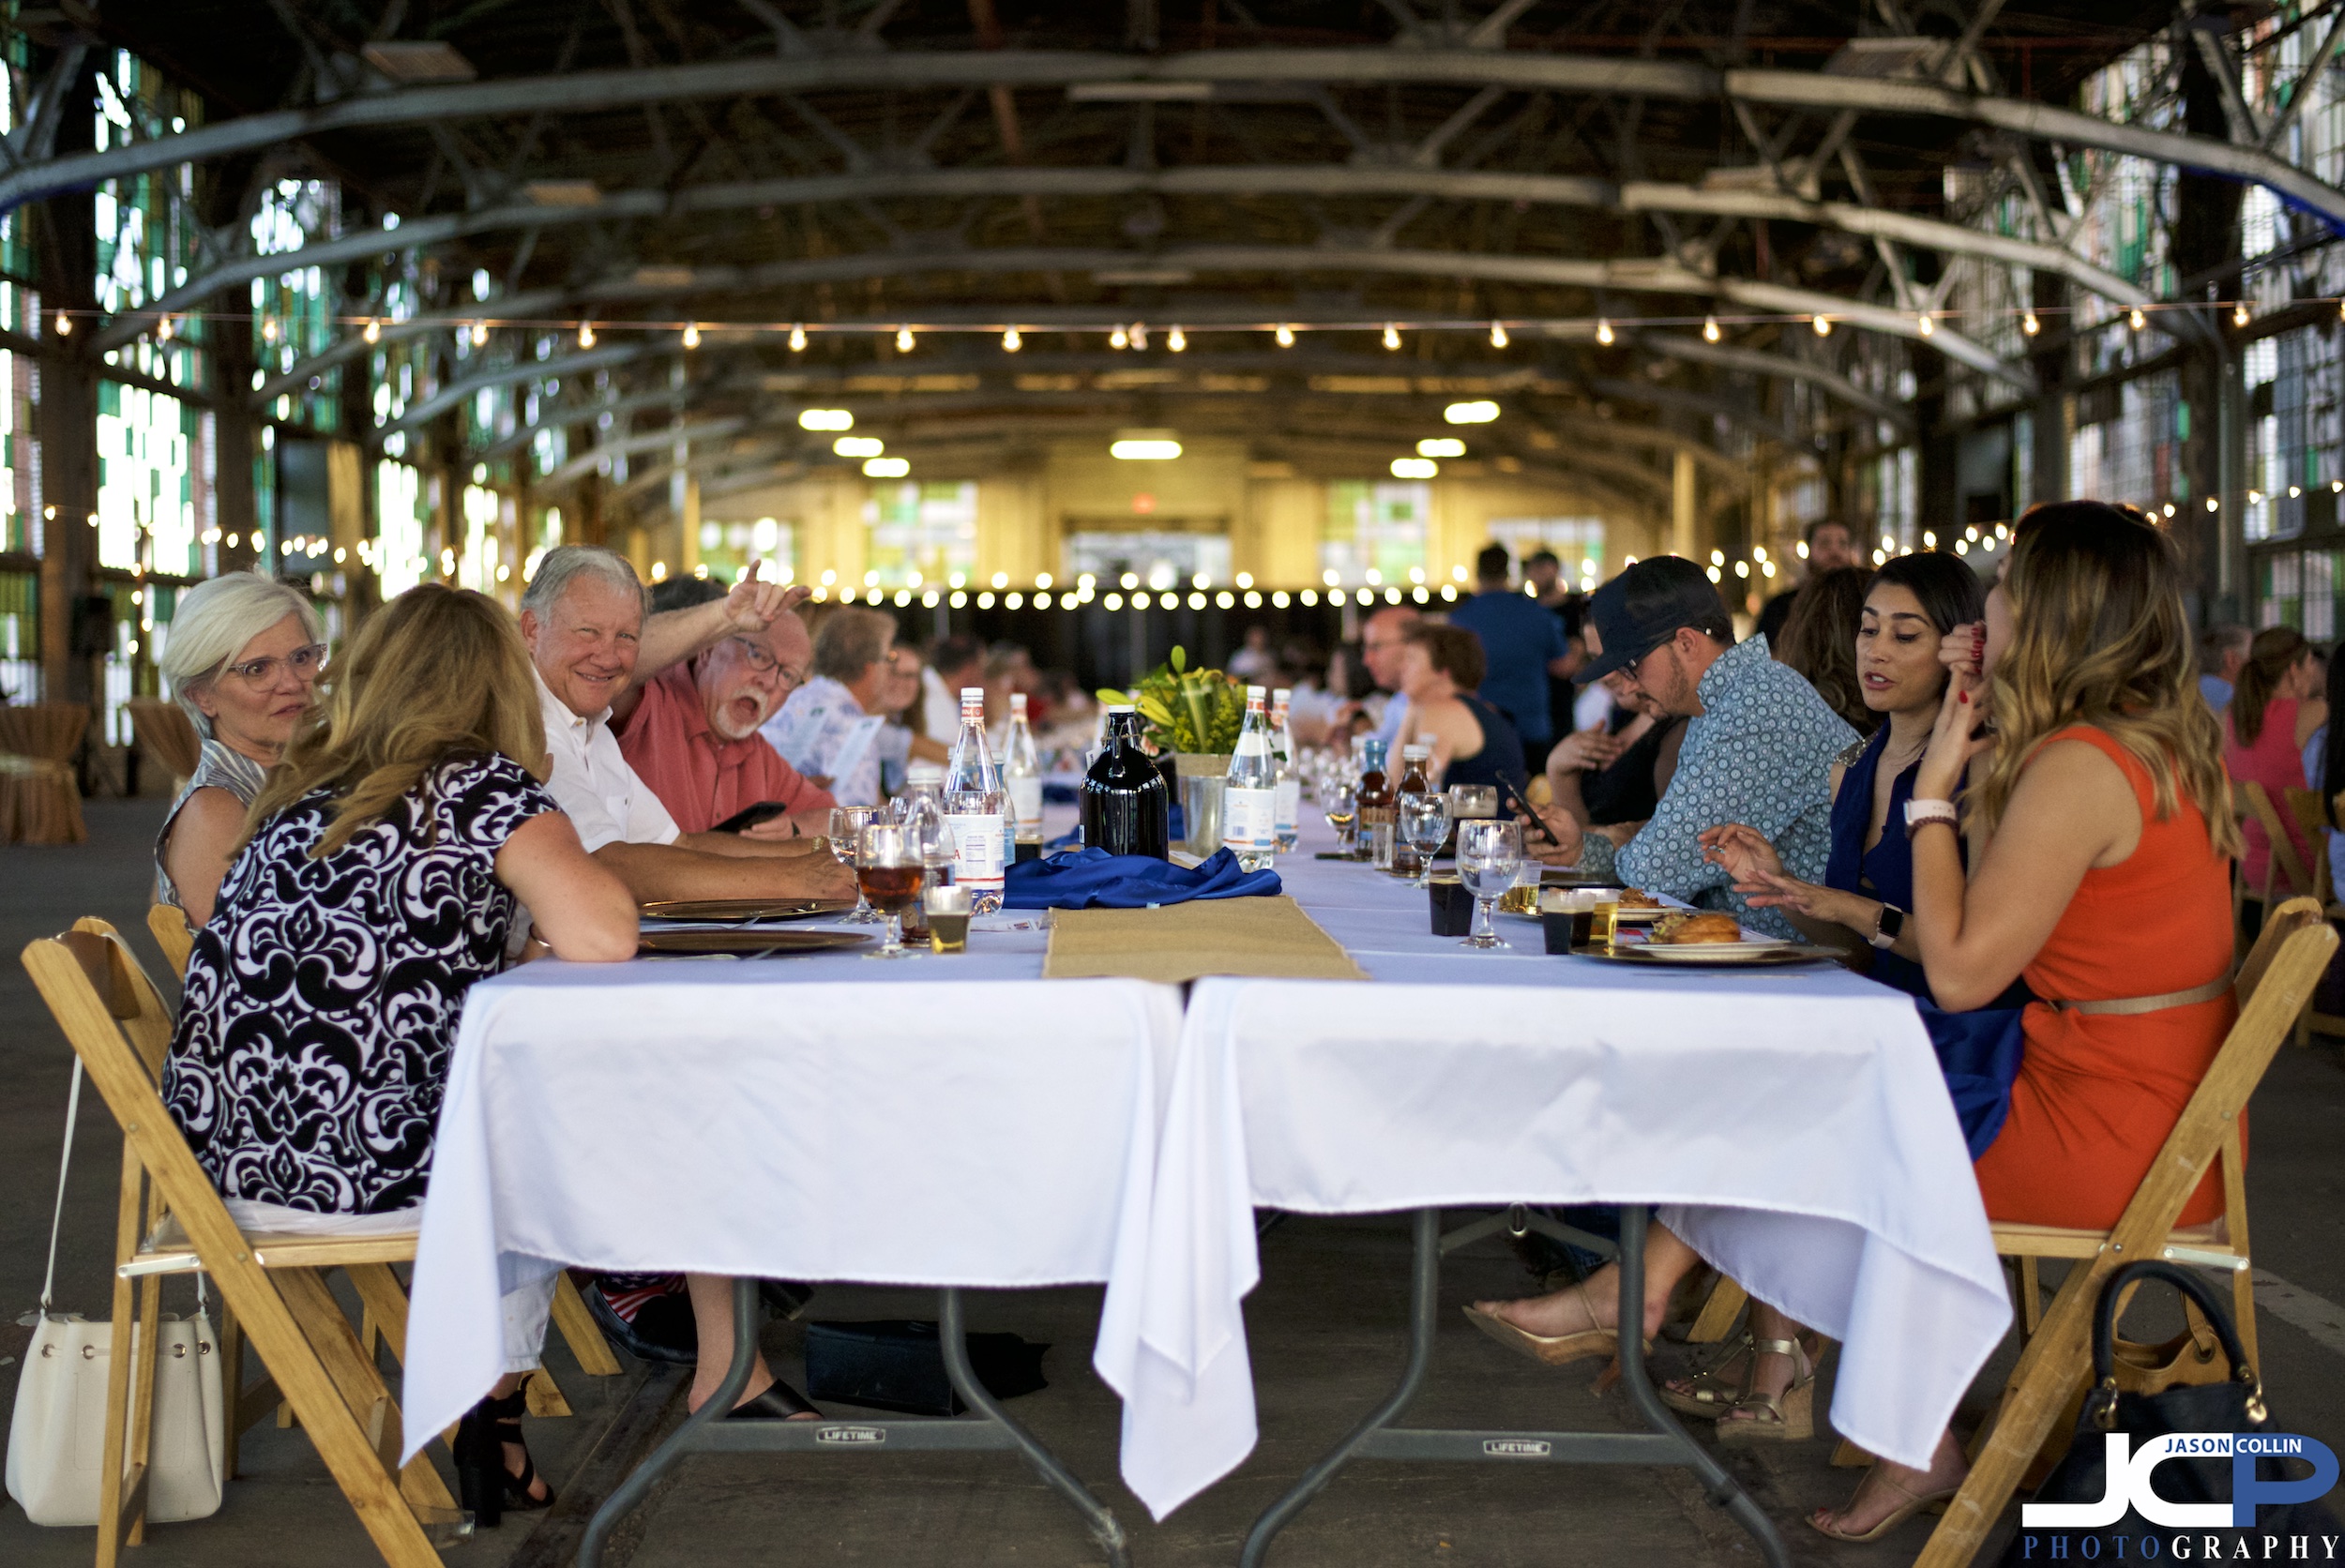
[1979,1051]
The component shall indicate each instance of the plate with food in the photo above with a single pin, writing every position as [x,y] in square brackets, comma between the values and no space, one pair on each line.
[746,944]
[1633,906]
[743,911]
[1710,937]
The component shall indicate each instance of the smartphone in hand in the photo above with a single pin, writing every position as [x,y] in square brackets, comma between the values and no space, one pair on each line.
[763,811]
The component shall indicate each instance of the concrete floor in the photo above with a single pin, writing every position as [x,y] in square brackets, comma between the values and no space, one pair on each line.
[1326,1329]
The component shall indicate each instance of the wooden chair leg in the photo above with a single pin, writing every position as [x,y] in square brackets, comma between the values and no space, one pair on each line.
[581,1332]
[141,1435]
[2233,1161]
[231,1388]
[111,1479]
[2030,1296]
[2051,1368]
[354,1375]
[282,1343]
[1715,1319]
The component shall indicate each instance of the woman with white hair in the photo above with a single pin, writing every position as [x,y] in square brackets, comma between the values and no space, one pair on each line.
[242,656]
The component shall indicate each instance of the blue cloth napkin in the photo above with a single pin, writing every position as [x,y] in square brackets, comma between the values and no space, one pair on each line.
[1090,879]
[1980,1054]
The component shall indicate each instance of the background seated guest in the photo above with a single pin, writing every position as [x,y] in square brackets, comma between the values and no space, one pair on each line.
[2325,773]
[2221,652]
[1522,645]
[835,728]
[380,882]
[583,619]
[1757,752]
[2277,704]
[1613,774]
[243,654]
[1380,653]
[1820,642]
[953,663]
[693,736]
[1829,546]
[1473,742]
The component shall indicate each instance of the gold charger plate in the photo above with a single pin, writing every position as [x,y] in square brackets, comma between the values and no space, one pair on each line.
[745,909]
[1713,954]
[749,944]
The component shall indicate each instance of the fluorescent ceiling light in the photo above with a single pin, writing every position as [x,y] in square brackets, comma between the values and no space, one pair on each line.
[1478,412]
[1441,447]
[826,419]
[886,468]
[1414,468]
[858,447]
[1146,449]
[563,193]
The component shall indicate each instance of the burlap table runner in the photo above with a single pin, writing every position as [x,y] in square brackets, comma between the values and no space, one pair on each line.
[1186,942]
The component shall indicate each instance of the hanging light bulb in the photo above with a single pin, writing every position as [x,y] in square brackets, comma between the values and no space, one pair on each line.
[1604,332]
[797,337]
[1140,335]
[2239,314]
[1822,325]
[1285,335]
[1710,329]
[1011,341]
[1177,341]
[479,334]
[374,333]
[903,338]
[65,324]
[1119,338]
[2135,319]
[1498,335]
[1392,336]
[162,329]
[2031,325]
[1929,324]
[585,335]
[268,328]
[692,335]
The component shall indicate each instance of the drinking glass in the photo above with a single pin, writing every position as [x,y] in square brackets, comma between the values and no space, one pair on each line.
[1489,855]
[847,824]
[888,871]
[931,841]
[1425,823]
[1341,799]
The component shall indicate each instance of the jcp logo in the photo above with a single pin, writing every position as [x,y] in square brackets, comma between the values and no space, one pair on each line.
[2129,1482]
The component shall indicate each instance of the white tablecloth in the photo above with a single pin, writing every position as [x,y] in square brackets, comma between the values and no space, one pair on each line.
[1794,1123]
[961,1122]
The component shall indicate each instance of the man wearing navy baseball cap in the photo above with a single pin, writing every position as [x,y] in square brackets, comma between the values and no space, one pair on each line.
[1758,750]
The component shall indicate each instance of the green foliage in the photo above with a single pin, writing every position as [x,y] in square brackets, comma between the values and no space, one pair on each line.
[1187,710]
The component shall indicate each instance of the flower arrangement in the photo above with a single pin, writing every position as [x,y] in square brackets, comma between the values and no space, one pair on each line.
[1196,711]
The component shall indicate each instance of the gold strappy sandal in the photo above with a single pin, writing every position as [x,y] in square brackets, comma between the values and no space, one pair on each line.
[1707,1396]
[1786,1417]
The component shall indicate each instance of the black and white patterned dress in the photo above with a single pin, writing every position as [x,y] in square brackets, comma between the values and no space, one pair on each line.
[322,999]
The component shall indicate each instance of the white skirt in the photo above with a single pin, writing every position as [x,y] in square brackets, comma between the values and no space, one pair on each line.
[526,1307]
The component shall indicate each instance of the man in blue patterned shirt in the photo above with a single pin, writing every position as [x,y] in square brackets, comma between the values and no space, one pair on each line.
[1759,748]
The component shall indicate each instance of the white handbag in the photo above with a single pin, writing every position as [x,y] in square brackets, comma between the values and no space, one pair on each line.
[57,1432]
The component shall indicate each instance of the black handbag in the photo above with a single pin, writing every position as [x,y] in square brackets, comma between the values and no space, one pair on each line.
[2107,1522]
[899,1365]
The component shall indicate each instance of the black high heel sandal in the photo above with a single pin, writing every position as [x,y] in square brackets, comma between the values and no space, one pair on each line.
[485,1487]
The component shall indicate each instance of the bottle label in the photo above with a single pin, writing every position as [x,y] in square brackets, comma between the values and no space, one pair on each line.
[1290,804]
[1025,805]
[1250,818]
[977,852]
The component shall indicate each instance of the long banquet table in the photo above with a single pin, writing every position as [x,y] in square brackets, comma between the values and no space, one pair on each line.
[961,1122]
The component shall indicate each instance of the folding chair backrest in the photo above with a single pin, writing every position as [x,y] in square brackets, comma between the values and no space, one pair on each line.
[2304,806]
[131,999]
[2279,924]
[2285,862]
[168,923]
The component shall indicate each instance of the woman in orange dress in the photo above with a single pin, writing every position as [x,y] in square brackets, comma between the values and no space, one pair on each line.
[2100,835]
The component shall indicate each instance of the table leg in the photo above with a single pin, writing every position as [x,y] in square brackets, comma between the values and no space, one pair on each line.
[1666,1444]
[993,1429]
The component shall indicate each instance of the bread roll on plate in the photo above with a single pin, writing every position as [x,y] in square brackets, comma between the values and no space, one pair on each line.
[1697,925]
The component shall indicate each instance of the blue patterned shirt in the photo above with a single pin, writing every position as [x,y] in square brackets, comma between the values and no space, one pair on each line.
[1759,753]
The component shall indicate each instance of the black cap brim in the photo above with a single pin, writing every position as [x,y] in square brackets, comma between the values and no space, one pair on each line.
[1610,660]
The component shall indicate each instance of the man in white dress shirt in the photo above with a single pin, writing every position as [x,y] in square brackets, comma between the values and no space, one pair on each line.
[582,618]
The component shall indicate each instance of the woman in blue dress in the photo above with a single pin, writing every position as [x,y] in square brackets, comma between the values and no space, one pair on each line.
[1914,605]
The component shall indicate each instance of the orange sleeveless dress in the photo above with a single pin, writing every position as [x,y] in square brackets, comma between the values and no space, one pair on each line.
[2098,1093]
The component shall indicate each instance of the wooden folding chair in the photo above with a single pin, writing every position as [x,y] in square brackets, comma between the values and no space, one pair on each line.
[2273,986]
[2283,863]
[176,938]
[2305,806]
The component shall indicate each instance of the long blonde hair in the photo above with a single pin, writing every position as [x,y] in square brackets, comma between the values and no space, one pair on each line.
[2099,637]
[436,674]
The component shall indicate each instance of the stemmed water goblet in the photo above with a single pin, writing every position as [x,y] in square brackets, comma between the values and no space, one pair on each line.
[847,824]
[1425,823]
[1489,853]
[888,871]
[1340,797]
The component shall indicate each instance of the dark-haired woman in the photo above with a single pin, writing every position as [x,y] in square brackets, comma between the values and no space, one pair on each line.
[2276,705]
[389,858]
[1473,743]
[1820,642]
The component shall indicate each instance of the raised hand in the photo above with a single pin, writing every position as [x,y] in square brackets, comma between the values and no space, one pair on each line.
[1585,750]
[1744,852]
[755,604]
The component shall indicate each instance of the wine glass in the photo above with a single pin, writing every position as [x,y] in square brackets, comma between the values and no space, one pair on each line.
[888,871]
[847,824]
[1340,800]
[1425,823]
[931,842]
[1489,855]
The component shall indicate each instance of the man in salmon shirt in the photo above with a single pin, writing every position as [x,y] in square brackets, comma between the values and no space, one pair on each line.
[693,738]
